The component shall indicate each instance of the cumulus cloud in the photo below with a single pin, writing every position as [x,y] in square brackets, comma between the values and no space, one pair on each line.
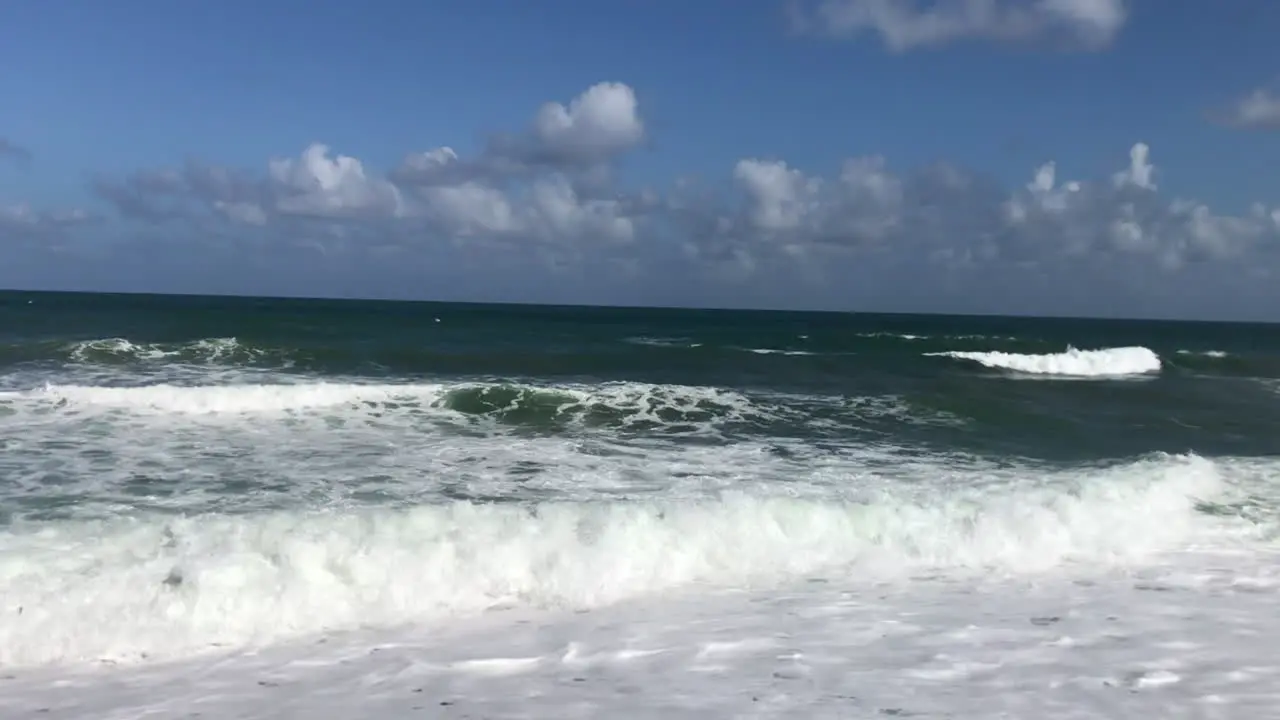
[1129,218]
[596,126]
[864,204]
[315,185]
[911,24]
[593,130]
[541,200]
[941,235]
[178,193]
[542,185]
[1259,110]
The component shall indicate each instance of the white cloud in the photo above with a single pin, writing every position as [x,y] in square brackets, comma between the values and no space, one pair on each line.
[1140,173]
[550,211]
[941,213]
[559,213]
[781,199]
[547,185]
[862,205]
[910,24]
[315,185]
[470,209]
[595,128]
[1259,110]
[763,221]
[600,123]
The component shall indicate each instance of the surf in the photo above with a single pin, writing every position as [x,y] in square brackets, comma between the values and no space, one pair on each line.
[1099,363]
[148,586]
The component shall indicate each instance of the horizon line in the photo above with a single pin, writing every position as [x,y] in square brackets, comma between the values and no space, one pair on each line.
[605,306]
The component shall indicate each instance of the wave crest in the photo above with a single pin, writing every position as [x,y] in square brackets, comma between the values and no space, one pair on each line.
[152,586]
[1105,362]
[209,350]
[673,407]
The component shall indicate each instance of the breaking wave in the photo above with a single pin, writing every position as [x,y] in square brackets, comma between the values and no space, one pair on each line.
[209,350]
[774,351]
[156,586]
[608,403]
[1106,362]
[627,407]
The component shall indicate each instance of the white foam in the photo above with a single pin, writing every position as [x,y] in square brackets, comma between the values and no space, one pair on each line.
[773,351]
[163,587]
[1176,640]
[240,398]
[248,398]
[208,349]
[1205,353]
[1106,362]
[95,451]
[911,337]
[900,336]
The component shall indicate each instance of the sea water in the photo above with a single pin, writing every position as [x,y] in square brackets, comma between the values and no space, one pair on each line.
[296,508]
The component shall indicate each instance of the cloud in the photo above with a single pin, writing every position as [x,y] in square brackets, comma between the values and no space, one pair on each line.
[315,185]
[912,24]
[23,223]
[944,215]
[13,151]
[595,128]
[542,185]
[1259,110]
[540,205]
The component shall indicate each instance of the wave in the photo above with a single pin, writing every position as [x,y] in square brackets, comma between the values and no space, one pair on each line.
[1251,365]
[211,349]
[152,586]
[626,403]
[663,342]
[1106,362]
[226,350]
[627,406]
[899,336]
[773,351]
[914,338]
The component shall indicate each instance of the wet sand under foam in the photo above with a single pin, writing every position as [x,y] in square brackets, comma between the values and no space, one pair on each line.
[1193,636]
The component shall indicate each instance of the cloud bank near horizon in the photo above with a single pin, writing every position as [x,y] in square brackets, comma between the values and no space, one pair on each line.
[546,201]
[547,195]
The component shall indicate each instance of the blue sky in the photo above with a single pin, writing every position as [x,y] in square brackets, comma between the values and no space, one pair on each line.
[136,139]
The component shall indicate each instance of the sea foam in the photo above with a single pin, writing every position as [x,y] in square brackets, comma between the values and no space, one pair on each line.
[1106,362]
[163,586]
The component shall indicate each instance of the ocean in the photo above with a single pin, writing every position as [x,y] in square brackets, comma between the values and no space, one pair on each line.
[252,507]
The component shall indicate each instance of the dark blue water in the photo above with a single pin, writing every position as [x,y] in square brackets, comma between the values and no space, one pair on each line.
[1213,393]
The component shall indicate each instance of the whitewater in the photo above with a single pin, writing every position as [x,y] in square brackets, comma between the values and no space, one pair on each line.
[220,527]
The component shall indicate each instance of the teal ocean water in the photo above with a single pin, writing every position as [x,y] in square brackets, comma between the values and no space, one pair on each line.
[179,473]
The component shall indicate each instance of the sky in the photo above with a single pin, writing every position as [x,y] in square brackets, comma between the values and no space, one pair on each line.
[1059,157]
